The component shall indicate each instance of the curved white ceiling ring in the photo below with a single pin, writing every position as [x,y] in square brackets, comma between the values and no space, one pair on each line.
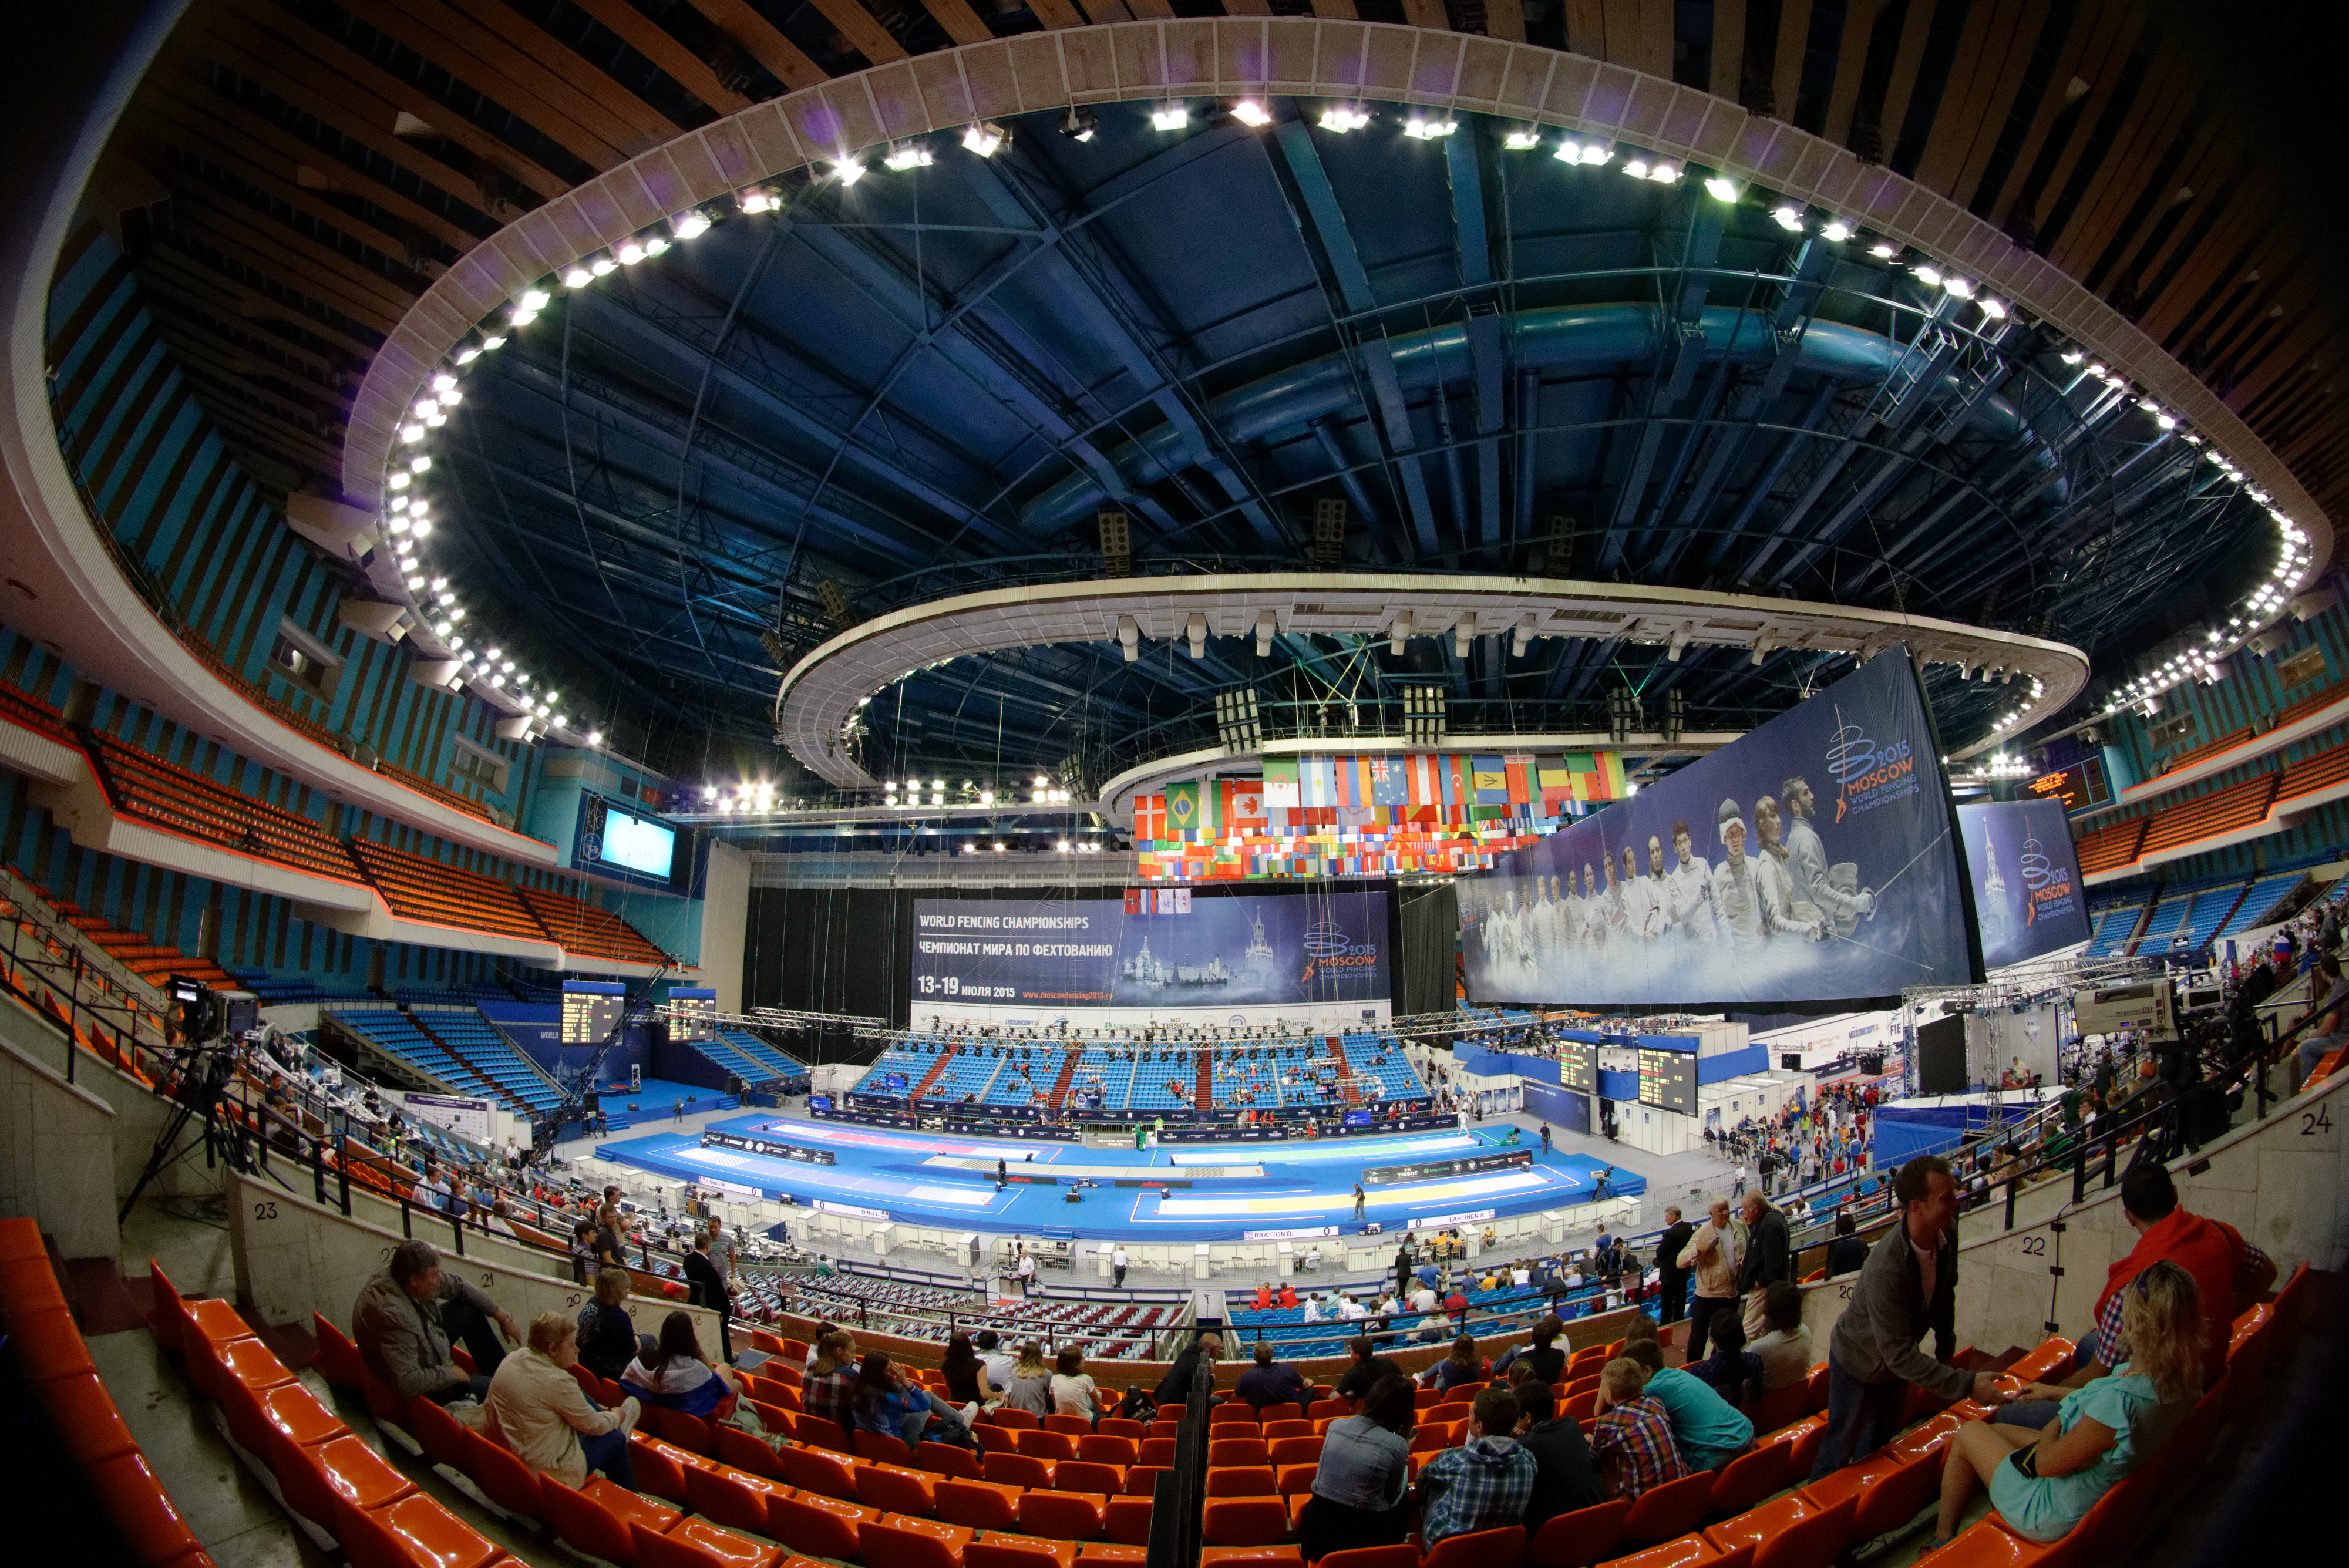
[1223,57]
[822,691]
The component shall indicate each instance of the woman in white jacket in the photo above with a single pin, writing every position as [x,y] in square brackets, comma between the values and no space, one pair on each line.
[537,1410]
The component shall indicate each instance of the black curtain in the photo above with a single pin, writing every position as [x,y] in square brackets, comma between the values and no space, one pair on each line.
[1425,981]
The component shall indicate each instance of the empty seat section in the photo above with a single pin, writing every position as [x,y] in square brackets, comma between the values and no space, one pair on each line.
[586,929]
[2118,931]
[144,787]
[434,891]
[476,1042]
[2110,848]
[2222,811]
[909,1062]
[2265,895]
[779,1063]
[388,1031]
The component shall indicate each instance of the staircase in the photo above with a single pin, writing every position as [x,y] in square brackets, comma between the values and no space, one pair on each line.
[1350,1088]
[931,1077]
[1068,1075]
[1206,1095]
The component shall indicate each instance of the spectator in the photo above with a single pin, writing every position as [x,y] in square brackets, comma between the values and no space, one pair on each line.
[1484,1483]
[2043,1482]
[1707,1431]
[1264,1297]
[1461,1365]
[1671,1276]
[1364,1475]
[406,1314]
[1368,1371]
[816,1342]
[2325,1019]
[1786,1349]
[1270,1382]
[709,1288]
[1847,1252]
[584,1263]
[1175,1386]
[1540,1353]
[1768,1258]
[1564,1479]
[1073,1390]
[1455,1305]
[1907,1286]
[1711,1252]
[892,1405]
[829,1391]
[998,1362]
[1631,1437]
[674,1376]
[965,1375]
[536,1410]
[1031,1382]
[1731,1371]
[2228,1274]
[608,1337]
[1288,1296]
[609,1246]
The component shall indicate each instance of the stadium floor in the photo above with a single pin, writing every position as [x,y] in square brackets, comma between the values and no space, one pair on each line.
[939,1179]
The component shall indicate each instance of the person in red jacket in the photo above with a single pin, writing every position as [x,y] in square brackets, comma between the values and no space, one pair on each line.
[2230,1272]
[1288,1296]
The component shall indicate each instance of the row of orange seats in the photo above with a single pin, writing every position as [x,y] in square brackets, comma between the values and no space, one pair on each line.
[53,1358]
[584,927]
[435,892]
[2108,848]
[2239,805]
[146,785]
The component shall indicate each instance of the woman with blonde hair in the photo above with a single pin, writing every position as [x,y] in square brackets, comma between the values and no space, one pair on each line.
[536,1410]
[1031,1382]
[2043,1484]
[607,1335]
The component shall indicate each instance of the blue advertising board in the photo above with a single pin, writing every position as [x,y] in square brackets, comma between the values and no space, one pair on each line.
[1224,951]
[2026,878]
[1815,859]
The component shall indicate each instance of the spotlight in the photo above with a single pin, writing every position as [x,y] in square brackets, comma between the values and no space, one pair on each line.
[1170,117]
[757,201]
[397,481]
[577,276]
[1569,152]
[656,243]
[1836,230]
[1521,138]
[629,251]
[1422,130]
[1992,308]
[686,225]
[1249,112]
[1883,250]
[1636,167]
[492,341]
[1594,154]
[1927,275]
[411,434]
[1959,286]
[984,138]
[849,168]
[1665,174]
[2073,357]
[1079,124]
[518,317]
[469,353]
[1721,188]
[908,155]
[603,266]
[1339,118]
[1788,217]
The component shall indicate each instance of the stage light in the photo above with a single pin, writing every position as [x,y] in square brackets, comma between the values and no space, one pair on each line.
[686,225]
[984,138]
[1636,168]
[577,276]
[757,201]
[1883,250]
[999,849]
[1927,275]
[603,266]
[1170,117]
[1959,286]
[629,252]
[909,155]
[1420,129]
[1788,217]
[1079,124]
[850,170]
[1837,230]
[1339,118]
[1596,154]
[1569,152]
[1721,188]
[1521,138]
[1249,112]
[1992,307]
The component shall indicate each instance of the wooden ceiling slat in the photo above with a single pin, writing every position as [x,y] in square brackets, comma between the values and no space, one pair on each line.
[284,256]
[1656,37]
[2306,324]
[1965,185]
[1916,28]
[2213,262]
[1992,48]
[1729,47]
[763,41]
[2094,19]
[2102,70]
[1264,9]
[648,39]
[300,65]
[190,312]
[2214,177]
[161,131]
[471,53]
[579,87]
[1632,33]
[1502,18]
[1055,14]
[1851,69]
[195,346]
[963,26]
[224,214]
[197,107]
[167,266]
[2147,132]
[1786,70]
[1586,27]
[873,41]
[268,433]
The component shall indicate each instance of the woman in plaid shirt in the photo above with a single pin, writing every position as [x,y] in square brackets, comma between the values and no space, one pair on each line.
[1631,1441]
[829,1390]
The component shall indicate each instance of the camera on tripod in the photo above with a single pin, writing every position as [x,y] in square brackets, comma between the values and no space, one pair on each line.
[207,1016]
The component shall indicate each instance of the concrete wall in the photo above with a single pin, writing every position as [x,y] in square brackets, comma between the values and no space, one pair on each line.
[294,1257]
[725,919]
[56,1157]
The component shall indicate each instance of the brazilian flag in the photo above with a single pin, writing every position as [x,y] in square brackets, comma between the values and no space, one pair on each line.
[1183,819]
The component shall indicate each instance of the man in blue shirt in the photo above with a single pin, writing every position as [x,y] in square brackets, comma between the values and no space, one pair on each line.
[1272,1382]
[1706,1428]
[1486,1483]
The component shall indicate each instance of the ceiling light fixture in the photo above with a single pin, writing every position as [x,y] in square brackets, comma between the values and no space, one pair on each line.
[1249,112]
[908,155]
[629,251]
[1340,118]
[983,137]
[1170,116]
[1420,128]
[689,225]
[1521,138]
[1079,124]
[849,168]
[1721,188]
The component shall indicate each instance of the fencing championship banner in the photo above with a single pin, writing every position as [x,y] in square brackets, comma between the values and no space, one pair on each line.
[1813,860]
[2027,878]
[1219,952]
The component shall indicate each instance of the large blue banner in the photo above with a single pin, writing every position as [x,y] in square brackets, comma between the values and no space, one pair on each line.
[2027,895]
[1813,860]
[1222,952]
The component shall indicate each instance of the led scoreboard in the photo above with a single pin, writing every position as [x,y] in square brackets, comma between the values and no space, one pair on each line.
[693,1013]
[1668,1080]
[2083,786]
[1579,1066]
[591,1010]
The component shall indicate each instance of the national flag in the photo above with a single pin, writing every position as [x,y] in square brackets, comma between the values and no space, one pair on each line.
[1280,782]
[1388,785]
[1318,780]
[1183,809]
[1489,778]
[1247,805]
[1133,901]
[1521,779]
[1420,780]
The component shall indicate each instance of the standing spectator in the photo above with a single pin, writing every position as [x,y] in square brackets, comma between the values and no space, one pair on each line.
[1711,1252]
[1402,1271]
[583,1264]
[1117,1262]
[1631,1437]
[1364,1473]
[1174,1389]
[1484,1483]
[1907,1286]
[536,1410]
[1270,1382]
[1564,1479]
[1027,1273]
[702,1272]
[1847,1252]
[1671,1276]
[1786,1349]
[1768,1258]
[1545,1137]
[829,1391]
[406,1314]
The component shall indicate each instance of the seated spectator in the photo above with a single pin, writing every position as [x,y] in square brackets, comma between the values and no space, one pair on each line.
[1707,1432]
[1484,1483]
[2043,1482]
[1364,1473]
[965,1375]
[1456,1305]
[1731,1370]
[1368,1370]
[406,1314]
[1031,1382]
[1270,1382]
[829,1390]
[1073,1390]
[2328,1020]
[888,1402]
[607,1335]
[998,1362]
[535,1408]
[1463,1366]
[1631,1437]
[1540,1352]
[1264,1297]
[674,1376]
[1564,1479]
[1786,1353]
[1288,1296]
[1847,1252]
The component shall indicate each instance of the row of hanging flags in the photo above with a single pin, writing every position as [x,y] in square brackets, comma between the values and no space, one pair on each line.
[1367,816]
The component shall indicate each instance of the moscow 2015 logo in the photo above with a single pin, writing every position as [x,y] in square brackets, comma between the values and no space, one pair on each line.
[1866,773]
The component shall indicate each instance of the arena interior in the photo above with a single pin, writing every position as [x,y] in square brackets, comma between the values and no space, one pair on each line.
[1505,785]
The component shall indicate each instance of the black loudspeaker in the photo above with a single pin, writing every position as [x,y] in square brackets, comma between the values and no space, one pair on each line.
[1792,1061]
[1941,1057]
[1873,1063]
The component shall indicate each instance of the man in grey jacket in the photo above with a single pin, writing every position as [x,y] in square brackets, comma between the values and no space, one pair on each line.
[408,1313]
[1908,1284]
